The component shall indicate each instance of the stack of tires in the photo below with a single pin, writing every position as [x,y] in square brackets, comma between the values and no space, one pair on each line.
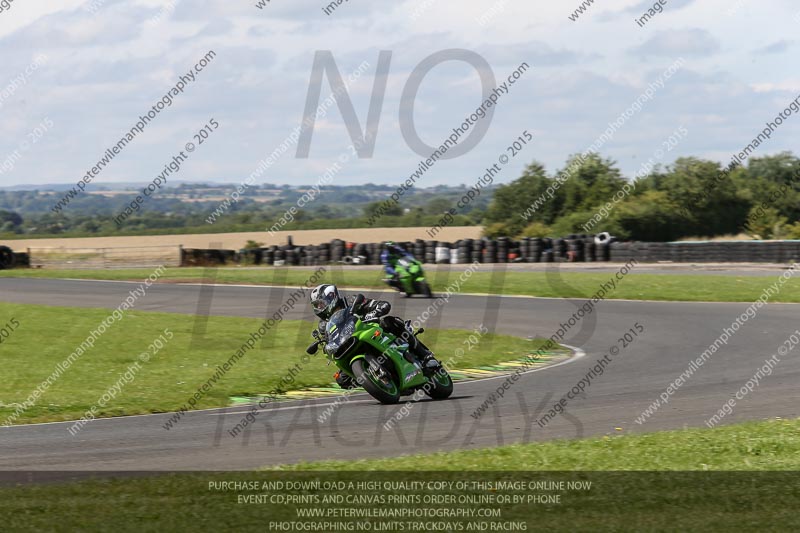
[477,251]
[337,250]
[6,257]
[771,252]
[575,249]
[305,255]
[290,256]
[430,252]
[739,252]
[602,243]
[547,250]
[524,248]
[515,251]
[21,259]
[442,254]
[589,249]
[324,253]
[560,250]
[619,252]
[419,250]
[268,255]
[791,251]
[535,248]
[360,254]
[375,250]
[280,257]
[464,251]
[317,255]
[502,249]
[688,252]
[489,251]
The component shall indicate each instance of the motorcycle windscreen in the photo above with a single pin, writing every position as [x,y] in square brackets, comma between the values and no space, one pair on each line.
[341,327]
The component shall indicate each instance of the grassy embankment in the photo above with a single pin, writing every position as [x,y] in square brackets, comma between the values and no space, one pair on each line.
[46,336]
[661,287]
[616,501]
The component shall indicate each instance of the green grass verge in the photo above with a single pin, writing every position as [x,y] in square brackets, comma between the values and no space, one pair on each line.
[665,287]
[761,499]
[46,336]
[769,445]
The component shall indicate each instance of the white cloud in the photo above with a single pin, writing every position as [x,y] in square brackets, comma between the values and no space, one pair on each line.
[107,68]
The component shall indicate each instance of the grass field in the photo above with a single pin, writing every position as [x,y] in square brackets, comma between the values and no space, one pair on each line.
[772,445]
[631,495]
[46,336]
[664,287]
[234,240]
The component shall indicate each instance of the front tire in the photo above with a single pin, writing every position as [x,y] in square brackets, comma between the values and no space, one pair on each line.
[382,389]
[440,385]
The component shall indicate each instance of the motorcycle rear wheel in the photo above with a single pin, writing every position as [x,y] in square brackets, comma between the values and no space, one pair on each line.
[382,389]
[424,288]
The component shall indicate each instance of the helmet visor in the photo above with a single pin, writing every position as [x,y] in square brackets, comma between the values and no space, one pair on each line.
[323,301]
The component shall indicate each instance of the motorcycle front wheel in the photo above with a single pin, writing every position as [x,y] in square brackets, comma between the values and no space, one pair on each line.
[441,385]
[377,382]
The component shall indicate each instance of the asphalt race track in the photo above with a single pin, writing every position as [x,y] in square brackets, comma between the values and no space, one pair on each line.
[675,333]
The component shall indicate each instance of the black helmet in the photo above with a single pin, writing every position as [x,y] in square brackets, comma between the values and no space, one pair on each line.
[325,299]
[393,248]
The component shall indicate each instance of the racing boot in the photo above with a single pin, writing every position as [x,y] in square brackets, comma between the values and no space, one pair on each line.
[425,356]
[393,282]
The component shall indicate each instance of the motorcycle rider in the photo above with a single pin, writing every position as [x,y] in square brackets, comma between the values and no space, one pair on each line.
[392,253]
[326,300]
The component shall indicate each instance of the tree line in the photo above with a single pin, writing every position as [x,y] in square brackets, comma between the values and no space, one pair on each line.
[690,198]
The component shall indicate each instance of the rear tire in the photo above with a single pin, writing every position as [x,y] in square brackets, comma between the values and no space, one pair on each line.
[422,287]
[426,290]
[377,388]
[441,385]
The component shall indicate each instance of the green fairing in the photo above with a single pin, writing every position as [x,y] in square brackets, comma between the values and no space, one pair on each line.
[411,276]
[369,343]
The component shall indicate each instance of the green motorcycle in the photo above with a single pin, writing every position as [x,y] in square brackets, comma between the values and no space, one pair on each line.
[411,278]
[375,359]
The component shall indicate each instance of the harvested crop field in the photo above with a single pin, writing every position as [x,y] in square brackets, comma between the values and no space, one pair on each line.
[234,241]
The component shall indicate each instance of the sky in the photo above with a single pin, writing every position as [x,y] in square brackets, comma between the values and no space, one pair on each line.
[76,75]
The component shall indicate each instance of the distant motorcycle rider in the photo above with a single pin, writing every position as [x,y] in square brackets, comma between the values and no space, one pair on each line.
[326,300]
[391,255]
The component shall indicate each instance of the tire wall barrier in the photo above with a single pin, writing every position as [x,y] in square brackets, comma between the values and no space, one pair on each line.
[572,248]
[707,252]
[11,259]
